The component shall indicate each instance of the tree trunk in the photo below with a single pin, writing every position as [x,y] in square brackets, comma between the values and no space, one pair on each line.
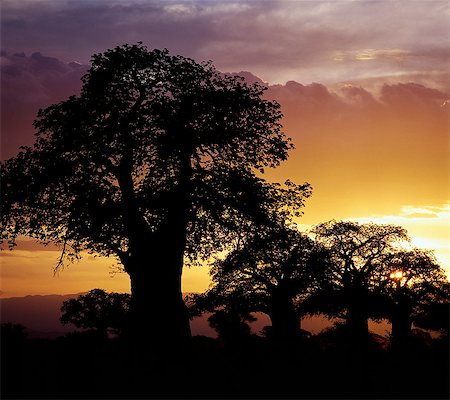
[157,306]
[155,258]
[285,321]
[357,319]
[401,325]
[159,313]
[358,324]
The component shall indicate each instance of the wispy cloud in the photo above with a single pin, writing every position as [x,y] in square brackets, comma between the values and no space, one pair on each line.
[409,213]
[428,226]
[440,212]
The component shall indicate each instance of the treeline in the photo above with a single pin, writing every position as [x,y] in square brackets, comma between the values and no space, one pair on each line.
[345,270]
[340,269]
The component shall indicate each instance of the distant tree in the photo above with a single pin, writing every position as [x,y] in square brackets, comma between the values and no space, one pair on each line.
[414,284]
[154,163]
[99,310]
[434,315]
[360,254]
[231,326]
[272,271]
[11,334]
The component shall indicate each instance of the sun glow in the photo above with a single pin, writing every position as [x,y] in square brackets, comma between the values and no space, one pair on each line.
[397,275]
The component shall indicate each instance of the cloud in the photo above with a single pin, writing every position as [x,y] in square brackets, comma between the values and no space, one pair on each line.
[427,225]
[279,41]
[416,214]
[393,137]
[27,84]
[411,95]
[438,211]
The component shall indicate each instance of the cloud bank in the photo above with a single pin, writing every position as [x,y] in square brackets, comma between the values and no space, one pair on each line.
[325,41]
[389,141]
[27,84]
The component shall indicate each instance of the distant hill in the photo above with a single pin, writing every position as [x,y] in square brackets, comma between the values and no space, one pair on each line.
[40,315]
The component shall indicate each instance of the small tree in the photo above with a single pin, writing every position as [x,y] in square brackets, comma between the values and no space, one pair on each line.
[272,271]
[231,326]
[155,163]
[11,334]
[99,310]
[434,314]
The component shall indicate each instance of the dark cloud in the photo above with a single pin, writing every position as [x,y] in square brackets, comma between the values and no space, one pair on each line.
[278,40]
[413,95]
[27,84]
[30,82]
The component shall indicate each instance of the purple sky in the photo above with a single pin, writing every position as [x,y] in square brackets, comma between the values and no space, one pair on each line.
[277,40]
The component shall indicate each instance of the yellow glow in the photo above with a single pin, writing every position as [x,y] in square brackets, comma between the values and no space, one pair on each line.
[382,162]
[396,275]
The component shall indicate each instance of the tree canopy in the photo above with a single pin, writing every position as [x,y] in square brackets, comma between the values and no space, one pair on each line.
[272,271]
[99,310]
[416,290]
[372,275]
[149,132]
[351,287]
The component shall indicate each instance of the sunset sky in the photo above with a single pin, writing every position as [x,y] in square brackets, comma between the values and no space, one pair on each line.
[364,87]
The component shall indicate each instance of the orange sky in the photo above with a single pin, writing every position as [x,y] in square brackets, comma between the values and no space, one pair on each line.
[383,160]
[372,137]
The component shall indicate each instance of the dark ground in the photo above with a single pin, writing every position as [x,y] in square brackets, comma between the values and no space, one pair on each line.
[85,366]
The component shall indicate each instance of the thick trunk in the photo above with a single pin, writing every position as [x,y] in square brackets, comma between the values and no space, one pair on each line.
[157,307]
[358,324]
[156,269]
[401,325]
[285,321]
[158,316]
[358,319]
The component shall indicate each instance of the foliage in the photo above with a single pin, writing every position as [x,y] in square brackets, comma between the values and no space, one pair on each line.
[373,275]
[12,333]
[230,324]
[434,316]
[415,277]
[273,269]
[419,285]
[360,255]
[152,138]
[158,162]
[99,310]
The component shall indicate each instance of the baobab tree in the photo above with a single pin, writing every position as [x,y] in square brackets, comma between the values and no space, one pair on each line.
[412,282]
[361,255]
[272,270]
[157,162]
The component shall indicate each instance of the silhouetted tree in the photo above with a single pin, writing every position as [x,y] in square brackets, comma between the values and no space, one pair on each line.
[434,315]
[12,333]
[413,281]
[272,271]
[99,310]
[154,163]
[360,257]
[231,325]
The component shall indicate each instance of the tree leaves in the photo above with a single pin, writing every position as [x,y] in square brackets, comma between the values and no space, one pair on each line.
[151,134]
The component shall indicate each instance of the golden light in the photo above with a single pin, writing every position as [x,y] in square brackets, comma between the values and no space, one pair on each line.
[396,275]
